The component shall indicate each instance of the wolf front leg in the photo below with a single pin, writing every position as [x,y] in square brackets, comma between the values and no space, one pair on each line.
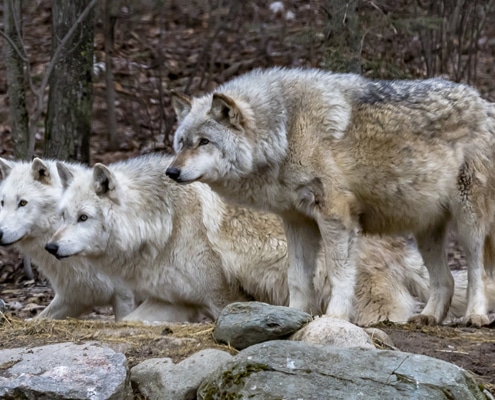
[123,301]
[338,243]
[303,242]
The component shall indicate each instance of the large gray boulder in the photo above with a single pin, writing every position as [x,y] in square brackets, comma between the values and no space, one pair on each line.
[64,371]
[297,370]
[160,378]
[243,324]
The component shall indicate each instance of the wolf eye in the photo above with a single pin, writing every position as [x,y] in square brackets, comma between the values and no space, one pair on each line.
[203,141]
[1,203]
[82,218]
[22,203]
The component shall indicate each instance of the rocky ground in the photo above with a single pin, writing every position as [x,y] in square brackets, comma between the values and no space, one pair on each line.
[469,348]
[194,46]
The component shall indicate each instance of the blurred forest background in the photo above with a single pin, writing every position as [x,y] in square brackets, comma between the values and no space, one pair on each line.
[101,93]
[90,80]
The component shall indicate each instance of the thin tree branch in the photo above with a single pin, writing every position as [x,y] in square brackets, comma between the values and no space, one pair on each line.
[25,58]
[12,44]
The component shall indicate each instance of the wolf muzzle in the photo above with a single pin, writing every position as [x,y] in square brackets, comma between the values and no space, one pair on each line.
[173,173]
[1,241]
[52,248]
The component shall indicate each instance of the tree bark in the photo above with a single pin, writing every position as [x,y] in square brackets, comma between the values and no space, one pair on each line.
[110,18]
[70,99]
[16,80]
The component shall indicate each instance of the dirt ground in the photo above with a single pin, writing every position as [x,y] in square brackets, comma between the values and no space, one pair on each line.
[188,47]
[469,348]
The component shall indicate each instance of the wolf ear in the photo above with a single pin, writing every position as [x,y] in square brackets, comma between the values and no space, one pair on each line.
[181,104]
[66,175]
[225,111]
[5,168]
[103,179]
[40,171]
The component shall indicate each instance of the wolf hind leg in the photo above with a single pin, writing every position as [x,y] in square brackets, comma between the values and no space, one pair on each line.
[432,246]
[303,242]
[391,273]
[472,242]
[59,308]
[156,310]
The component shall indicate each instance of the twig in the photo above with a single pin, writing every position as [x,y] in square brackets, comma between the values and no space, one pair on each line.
[395,370]
[12,44]
[452,351]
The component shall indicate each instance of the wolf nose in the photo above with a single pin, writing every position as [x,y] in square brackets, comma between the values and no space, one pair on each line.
[52,248]
[173,173]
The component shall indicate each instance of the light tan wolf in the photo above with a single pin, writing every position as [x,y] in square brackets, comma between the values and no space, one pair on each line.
[191,254]
[334,154]
[29,195]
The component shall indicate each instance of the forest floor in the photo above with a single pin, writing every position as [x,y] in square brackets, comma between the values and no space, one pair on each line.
[194,47]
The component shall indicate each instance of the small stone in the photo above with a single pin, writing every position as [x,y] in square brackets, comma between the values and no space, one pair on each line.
[335,332]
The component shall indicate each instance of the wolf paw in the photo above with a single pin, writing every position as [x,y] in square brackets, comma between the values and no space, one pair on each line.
[476,320]
[423,320]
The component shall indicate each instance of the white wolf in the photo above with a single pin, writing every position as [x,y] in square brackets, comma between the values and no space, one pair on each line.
[29,195]
[333,154]
[191,254]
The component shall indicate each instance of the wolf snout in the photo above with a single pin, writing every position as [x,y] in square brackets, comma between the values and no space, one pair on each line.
[173,173]
[1,239]
[52,248]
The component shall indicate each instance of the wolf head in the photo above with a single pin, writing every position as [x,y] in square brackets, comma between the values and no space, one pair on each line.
[88,196]
[29,193]
[213,140]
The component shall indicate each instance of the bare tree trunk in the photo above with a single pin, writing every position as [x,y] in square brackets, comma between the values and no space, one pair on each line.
[16,90]
[343,44]
[110,18]
[16,80]
[70,100]
[450,46]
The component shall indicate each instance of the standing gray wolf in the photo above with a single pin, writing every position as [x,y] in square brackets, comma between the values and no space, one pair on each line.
[334,154]
[29,195]
[191,254]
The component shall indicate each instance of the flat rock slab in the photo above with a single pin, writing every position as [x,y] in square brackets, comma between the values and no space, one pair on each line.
[297,370]
[160,378]
[243,324]
[64,371]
